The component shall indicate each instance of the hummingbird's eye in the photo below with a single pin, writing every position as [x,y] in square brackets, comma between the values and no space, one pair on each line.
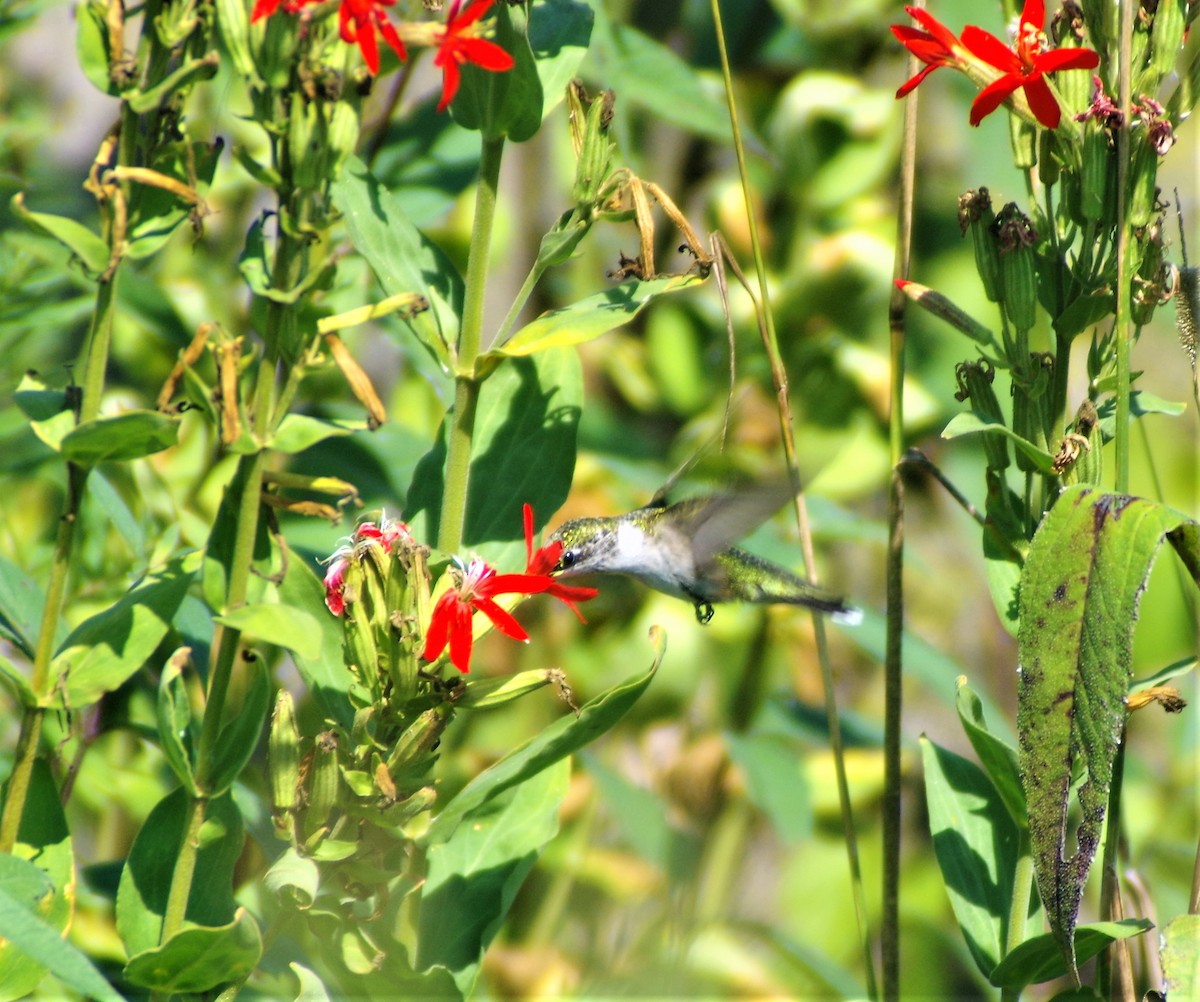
[567,560]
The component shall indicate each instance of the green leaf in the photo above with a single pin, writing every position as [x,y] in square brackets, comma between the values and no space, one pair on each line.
[473,877]
[977,845]
[146,878]
[312,989]
[1040,958]
[559,32]
[1083,579]
[174,715]
[91,251]
[523,452]
[240,733]
[199,960]
[562,738]
[507,104]
[295,878]
[21,603]
[92,46]
[648,74]
[296,432]
[22,887]
[106,649]
[125,436]
[999,759]
[589,318]
[968,423]
[43,839]
[281,625]
[1181,957]
[402,257]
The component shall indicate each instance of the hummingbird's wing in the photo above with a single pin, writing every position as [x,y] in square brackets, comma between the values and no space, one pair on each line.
[716,522]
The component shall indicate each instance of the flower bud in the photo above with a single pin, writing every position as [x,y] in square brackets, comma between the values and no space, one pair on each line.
[975,216]
[1016,237]
[412,754]
[975,384]
[1096,172]
[283,760]
[1030,399]
[1080,457]
[1166,39]
[323,783]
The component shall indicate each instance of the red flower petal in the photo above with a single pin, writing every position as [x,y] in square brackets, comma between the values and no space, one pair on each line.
[439,626]
[1042,103]
[1067,59]
[450,78]
[462,637]
[388,32]
[986,46]
[501,618]
[939,31]
[263,8]
[915,81]
[484,54]
[993,95]
[1034,12]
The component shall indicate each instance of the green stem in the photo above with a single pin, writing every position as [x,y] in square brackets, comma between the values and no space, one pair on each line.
[766,323]
[1022,888]
[181,882]
[470,337]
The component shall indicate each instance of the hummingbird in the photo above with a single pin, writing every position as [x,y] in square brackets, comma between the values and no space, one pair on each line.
[684,549]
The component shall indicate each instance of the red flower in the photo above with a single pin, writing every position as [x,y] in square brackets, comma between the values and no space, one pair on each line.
[988,61]
[335,581]
[477,586]
[544,561]
[386,533]
[357,21]
[460,43]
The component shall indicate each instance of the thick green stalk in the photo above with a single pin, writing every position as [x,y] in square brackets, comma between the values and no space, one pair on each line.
[766,319]
[466,390]
[181,883]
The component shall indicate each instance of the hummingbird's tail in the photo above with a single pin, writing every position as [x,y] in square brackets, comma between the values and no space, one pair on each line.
[753,579]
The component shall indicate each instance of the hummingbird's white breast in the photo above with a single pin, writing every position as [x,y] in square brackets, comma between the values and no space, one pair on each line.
[662,559]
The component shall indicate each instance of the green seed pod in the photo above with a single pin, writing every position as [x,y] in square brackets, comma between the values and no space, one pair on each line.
[1143,180]
[283,756]
[1018,272]
[975,384]
[975,216]
[1154,282]
[595,149]
[1080,457]
[233,23]
[1166,39]
[1095,173]
[306,143]
[1023,136]
[323,783]
[417,741]
[342,134]
[1029,390]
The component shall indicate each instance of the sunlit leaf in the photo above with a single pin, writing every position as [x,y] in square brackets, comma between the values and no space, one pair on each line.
[1040,958]
[1083,580]
[199,959]
[121,437]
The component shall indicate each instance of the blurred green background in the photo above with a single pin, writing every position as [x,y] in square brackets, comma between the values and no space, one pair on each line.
[701,852]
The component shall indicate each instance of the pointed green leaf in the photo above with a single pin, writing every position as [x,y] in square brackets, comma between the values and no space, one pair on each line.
[125,436]
[968,423]
[174,714]
[240,733]
[281,625]
[1083,579]
[296,432]
[473,876]
[45,841]
[562,738]
[589,318]
[402,257]
[1040,958]
[199,960]
[77,238]
[977,845]
[21,603]
[22,887]
[998,758]
[103,651]
[775,782]
[312,989]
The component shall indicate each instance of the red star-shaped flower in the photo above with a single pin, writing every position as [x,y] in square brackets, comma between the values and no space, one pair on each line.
[461,42]
[544,561]
[1001,70]
[476,589]
[358,21]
